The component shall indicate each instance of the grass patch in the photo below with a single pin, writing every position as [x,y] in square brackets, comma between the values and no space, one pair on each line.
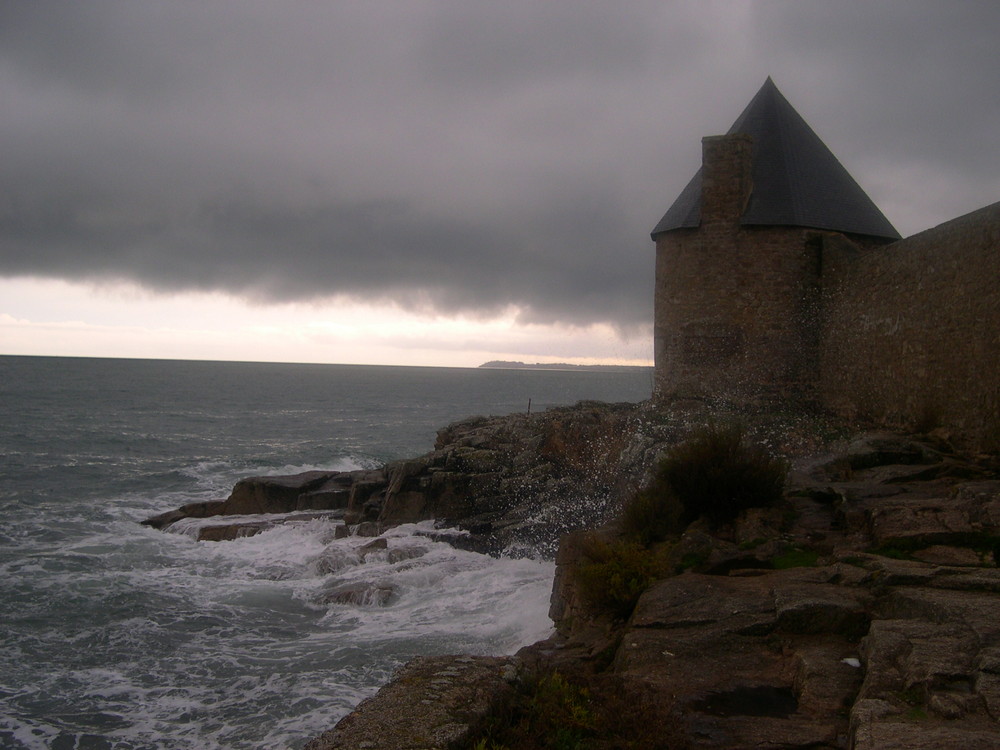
[693,559]
[795,558]
[913,696]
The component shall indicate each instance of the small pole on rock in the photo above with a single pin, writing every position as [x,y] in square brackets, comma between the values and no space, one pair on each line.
[529,406]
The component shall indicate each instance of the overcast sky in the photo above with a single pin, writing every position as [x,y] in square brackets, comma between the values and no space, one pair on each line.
[430,182]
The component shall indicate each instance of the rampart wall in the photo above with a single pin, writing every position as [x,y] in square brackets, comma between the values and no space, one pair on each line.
[910,332]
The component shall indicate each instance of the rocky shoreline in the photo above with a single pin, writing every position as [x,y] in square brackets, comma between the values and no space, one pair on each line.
[860,613]
[514,484]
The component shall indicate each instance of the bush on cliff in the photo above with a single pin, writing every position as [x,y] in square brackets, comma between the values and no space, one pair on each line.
[717,474]
[578,711]
[652,515]
[613,574]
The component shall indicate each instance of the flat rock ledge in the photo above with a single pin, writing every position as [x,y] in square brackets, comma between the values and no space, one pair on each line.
[432,702]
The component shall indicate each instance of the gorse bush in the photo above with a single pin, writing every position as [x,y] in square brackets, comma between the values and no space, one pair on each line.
[652,515]
[551,713]
[716,473]
[578,711]
[613,575]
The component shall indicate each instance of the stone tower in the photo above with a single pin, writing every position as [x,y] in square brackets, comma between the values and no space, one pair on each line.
[739,258]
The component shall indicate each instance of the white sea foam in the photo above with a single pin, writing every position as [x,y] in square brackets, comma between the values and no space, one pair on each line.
[243,626]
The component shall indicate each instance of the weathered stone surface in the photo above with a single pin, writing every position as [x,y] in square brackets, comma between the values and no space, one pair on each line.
[917,735]
[368,529]
[822,608]
[928,520]
[431,703]
[335,492]
[940,554]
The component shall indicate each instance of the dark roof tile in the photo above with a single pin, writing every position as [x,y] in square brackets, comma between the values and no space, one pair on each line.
[797,181]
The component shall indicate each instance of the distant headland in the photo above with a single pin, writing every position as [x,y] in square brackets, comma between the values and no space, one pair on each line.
[501,364]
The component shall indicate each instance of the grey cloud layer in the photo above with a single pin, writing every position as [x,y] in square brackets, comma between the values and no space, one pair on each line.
[448,155]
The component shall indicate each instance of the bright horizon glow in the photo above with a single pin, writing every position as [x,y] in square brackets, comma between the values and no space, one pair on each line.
[43,317]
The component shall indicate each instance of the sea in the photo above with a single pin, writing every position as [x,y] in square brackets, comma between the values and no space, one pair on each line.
[117,636]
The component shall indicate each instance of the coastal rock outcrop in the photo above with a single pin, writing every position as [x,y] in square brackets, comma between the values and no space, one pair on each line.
[859,614]
[515,483]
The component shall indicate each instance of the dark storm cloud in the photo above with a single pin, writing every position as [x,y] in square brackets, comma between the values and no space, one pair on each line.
[451,156]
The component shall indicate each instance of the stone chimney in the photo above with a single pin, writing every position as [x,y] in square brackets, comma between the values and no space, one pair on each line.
[726,180]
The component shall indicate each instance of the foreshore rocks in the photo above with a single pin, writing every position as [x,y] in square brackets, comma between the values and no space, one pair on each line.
[861,613]
[514,483]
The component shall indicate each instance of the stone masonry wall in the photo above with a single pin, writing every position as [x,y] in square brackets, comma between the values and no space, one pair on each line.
[735,306]
[911,333]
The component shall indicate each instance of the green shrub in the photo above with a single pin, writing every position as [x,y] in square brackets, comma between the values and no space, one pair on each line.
[579,711]
[613,575]
[795,558]
[717,474]
[652,515]
[550,713]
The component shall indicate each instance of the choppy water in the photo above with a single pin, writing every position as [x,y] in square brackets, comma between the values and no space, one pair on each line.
[113,635]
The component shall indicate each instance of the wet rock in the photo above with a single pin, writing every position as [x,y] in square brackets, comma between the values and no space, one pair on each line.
[334,559]
[230,531]
[192,510]
[224,532]
[332,494]
[873,651]
[275,494]
[432,702]
[360,594]
[886,636]
[373,547]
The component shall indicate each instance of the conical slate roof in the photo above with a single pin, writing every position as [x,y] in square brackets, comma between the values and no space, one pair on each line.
[797,181]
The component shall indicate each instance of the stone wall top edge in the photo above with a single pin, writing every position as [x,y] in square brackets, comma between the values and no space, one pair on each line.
[986,215]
